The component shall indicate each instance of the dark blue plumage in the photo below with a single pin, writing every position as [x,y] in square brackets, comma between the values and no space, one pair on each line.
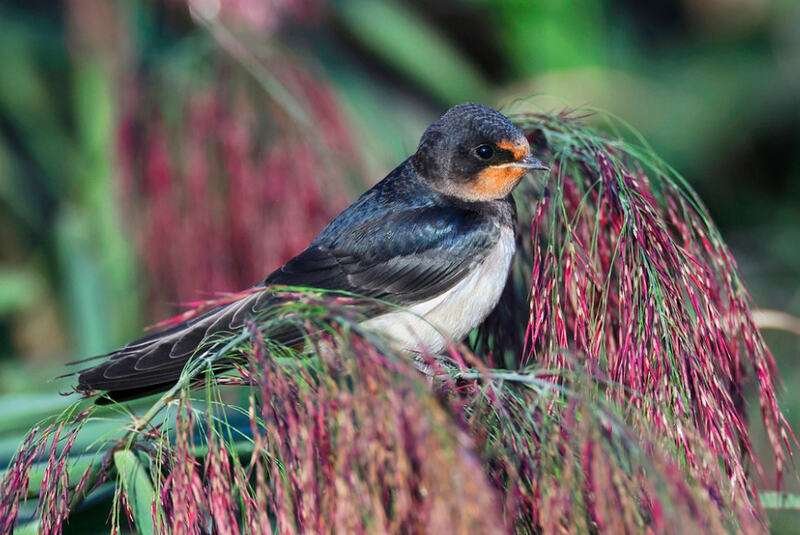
[400,241]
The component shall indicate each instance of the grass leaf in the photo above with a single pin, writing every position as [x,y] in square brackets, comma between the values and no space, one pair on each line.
[427,58]
[780,500]
[138,489]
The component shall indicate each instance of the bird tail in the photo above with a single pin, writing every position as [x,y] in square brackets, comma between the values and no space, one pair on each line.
[154,362]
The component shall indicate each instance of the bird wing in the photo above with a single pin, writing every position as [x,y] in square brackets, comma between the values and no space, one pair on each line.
[403,257]
[406,256]
[154,362]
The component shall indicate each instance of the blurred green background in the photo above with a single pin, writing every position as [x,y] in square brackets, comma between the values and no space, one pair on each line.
[152,153]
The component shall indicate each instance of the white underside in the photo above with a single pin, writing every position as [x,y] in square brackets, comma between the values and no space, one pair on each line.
[431,325]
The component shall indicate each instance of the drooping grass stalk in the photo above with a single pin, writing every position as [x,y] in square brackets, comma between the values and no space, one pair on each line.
[624,267]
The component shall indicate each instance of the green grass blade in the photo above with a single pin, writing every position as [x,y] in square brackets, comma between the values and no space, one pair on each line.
[138,488]
[408,43]
[780,500]
[32,528]
[21,411]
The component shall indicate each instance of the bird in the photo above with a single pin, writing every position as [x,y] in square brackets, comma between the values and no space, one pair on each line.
[435,237]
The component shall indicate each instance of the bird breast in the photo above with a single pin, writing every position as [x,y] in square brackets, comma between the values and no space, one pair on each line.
[431,324]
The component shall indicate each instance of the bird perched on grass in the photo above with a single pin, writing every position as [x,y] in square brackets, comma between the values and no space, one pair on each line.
[436,236]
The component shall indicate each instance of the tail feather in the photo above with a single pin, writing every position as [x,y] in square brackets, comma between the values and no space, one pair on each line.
[154,362]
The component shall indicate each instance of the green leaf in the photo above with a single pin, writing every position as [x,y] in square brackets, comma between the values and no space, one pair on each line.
[21,411]
[18,289]
[552,34]
[97,200]
[138,489]
[31,528]
[780,500]
[86,290]
[409,44]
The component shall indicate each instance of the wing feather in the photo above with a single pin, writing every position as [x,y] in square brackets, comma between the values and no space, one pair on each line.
[404,256]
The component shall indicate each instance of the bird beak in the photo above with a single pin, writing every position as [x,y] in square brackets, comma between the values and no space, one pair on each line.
[529,162]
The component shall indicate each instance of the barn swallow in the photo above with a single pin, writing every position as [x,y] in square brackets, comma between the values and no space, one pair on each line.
[436,237]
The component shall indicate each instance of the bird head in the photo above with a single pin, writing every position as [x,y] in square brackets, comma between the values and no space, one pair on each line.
[474,153]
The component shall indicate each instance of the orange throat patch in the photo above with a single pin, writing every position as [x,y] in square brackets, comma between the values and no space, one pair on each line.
[494,183]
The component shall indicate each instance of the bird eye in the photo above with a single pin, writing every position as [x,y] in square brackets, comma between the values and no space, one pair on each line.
[484,152]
